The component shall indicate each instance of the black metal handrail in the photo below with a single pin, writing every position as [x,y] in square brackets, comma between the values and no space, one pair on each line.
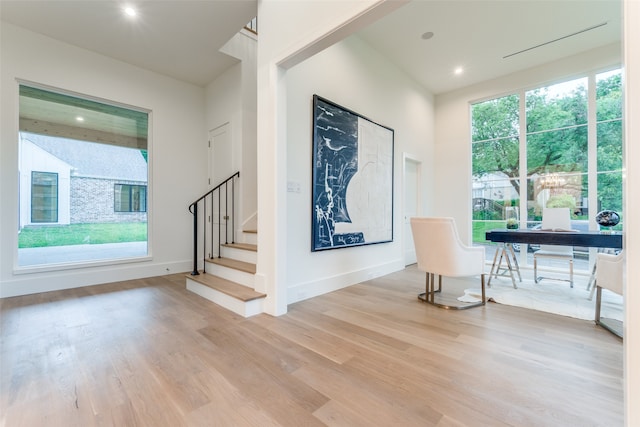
[207,201]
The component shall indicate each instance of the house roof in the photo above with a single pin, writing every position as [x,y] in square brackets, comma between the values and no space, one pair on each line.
[93,160]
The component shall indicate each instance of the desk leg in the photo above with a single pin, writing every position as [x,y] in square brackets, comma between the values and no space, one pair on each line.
[493,266]
[506,252]
[515,261]
[506,255]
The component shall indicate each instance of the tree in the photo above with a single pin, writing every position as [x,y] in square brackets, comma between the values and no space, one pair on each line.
[495,127]
[556,126]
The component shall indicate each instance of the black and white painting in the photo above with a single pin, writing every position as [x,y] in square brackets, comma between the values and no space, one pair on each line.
[352,178]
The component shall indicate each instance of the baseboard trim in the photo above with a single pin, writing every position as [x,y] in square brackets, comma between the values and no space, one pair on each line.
[314,288]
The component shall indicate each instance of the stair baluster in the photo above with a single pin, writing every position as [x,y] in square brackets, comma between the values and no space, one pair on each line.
[229,213]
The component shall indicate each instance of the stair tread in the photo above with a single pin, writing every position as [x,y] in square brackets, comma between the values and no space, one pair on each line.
[245,246]
[250,231]
[247,267]
[227,287]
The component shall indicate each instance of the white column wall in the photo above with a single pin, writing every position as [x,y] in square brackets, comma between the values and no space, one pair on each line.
[178,160]
[632,211]
[352,74]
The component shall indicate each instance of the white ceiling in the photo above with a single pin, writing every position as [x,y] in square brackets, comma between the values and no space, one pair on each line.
[477,34]
[181,38]
[178,38]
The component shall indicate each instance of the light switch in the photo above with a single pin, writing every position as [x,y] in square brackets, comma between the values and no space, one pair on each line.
[293,187]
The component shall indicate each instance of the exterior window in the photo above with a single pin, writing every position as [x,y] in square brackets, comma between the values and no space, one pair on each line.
[557,149]
[609,146]
[130,198]
[496,162]
[44,197]
[83,179]
[521,165]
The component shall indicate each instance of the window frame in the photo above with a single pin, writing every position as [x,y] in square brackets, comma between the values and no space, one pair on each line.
[145,253]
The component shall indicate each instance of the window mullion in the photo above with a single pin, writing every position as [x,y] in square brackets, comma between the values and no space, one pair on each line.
[592,158]
[592,150]
[523,159]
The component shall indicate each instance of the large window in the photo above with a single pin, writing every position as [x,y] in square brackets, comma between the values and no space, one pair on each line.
[609,140]
[44,197]
[557,149]
[496,161]
[565,152]
[83,179]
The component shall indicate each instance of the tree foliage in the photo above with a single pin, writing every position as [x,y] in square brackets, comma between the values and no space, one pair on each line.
[557,137]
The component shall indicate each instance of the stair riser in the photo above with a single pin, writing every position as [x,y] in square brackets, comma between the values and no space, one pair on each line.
[249,238]
[246,279]
[240,254]
[245,309]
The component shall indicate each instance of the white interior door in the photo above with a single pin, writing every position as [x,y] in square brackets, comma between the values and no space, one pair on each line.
[220,168]
[220,154]
[411,205]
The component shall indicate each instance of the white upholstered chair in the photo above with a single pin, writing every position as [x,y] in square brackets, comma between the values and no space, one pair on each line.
[554,219]
[609,275]
[440,252]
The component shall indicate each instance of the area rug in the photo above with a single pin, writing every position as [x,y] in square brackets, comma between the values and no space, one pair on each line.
[550,296]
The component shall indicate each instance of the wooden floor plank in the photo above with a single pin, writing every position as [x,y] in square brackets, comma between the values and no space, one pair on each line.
[148,352]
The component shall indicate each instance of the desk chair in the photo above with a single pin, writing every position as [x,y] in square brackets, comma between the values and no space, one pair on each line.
[554,219]
[440,252]
[609,275]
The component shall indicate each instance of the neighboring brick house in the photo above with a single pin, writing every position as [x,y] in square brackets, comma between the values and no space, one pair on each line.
[80,182]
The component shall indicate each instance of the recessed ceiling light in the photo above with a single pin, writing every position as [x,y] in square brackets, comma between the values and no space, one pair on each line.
[458,70]
[427,35]
[79,119]
[130,11]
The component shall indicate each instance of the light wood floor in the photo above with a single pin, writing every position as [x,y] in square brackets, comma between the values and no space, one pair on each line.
[149,353]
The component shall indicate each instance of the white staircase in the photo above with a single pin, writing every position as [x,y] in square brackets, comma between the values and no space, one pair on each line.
[229,280]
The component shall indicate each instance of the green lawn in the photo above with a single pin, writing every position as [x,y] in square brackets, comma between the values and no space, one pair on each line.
[37,236]
[481,227]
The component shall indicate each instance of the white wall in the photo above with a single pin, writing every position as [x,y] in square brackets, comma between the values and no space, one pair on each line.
[355,76]
[453,150]
[34,158]
[290,32]
[632,211]
[177,154]
[232,98]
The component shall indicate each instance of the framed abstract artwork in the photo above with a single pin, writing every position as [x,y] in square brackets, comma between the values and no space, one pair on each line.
[352,179]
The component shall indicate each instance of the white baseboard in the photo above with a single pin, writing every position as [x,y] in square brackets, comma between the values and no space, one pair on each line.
[37,282]
[302,291]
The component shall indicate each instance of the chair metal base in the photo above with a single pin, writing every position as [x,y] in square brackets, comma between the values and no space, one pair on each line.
[429,295]
[612,325]
[537,278]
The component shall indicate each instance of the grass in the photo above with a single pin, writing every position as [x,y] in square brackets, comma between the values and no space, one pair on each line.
[38,236]
[481,227]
